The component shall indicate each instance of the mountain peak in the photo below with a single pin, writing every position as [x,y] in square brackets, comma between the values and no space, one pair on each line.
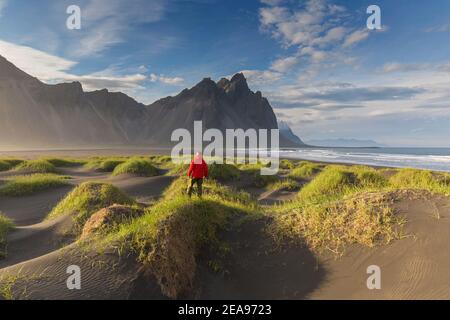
[10,71]
[237,86]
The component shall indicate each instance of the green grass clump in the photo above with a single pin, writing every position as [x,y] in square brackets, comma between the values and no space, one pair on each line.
[6,225]
[338,181]
[369,177]
[332,182]
[223,172]
[66,162]
[160,159]
[138,167]
[412,178]
[422,180]
[179,170]
[30,184]
[8,164]
[36,166]
[4,166]
[367,219]
[286,164]
[285,184]
[104,164]
[87,199]
[258,180]
[305,170]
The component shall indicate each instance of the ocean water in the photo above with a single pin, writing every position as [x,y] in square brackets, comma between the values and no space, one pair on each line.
[437,159]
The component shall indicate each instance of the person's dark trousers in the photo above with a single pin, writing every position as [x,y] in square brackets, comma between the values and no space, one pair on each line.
[199,183]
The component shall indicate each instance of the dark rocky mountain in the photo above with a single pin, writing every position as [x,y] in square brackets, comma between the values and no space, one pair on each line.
[288,135]
[35,114]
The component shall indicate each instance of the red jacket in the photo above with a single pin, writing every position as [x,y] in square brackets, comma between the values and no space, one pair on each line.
[198,171]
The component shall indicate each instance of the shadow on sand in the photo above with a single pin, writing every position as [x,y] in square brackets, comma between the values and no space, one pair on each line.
[255,268]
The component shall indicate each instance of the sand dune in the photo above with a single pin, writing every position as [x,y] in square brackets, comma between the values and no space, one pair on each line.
[416,267]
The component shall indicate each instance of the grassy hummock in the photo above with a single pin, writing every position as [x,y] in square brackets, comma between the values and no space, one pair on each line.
[285,184]
[223,172]
[8,164]
[30,184]
[36,166]
[340,206]
[254,171]
[305,170]
[104,164]
[140,167]
[87,199]
[65,162]
[168,237]
[6,225]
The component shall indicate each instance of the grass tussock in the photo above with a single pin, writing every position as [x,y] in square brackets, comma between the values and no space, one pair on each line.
[87,199]
[305,170]
[36,166]
[104,164]
[140,167]
[422,180]
[8,164]
[224,172]
[338,181]
[286,164]
[179,170]
[285,184]
[30,184]
[342,205]
[366,219]
[254,172]
[6,225]
[66,162]
[168,237]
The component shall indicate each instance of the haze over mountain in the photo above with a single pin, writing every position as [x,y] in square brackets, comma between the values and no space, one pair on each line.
[350,143]
[38,115]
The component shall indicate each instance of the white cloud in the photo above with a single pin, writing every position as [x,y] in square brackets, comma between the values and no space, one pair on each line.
[35,62]
[316,29]
[50,68]
[403,67]
[441,28]
[166,80]
[355,37]
[105,23]
[261,76]
[272,2]
[284,64]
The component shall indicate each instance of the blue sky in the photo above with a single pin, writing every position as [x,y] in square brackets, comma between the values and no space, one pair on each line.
[323,71]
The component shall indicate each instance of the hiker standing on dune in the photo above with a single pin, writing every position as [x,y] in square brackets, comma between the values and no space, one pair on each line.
[198,170]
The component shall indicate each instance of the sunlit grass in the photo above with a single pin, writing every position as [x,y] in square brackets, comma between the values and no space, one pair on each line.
[30,184]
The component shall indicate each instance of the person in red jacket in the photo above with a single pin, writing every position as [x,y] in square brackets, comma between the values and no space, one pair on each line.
[198,170]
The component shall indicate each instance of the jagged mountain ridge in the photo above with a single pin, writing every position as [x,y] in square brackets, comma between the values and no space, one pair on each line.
[38,115]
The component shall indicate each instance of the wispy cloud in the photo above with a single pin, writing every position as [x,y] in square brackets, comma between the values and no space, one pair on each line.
[440,28]
[261,76]
[50,68]
[355,37]
[166,80]
[316,31]
[107,22]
